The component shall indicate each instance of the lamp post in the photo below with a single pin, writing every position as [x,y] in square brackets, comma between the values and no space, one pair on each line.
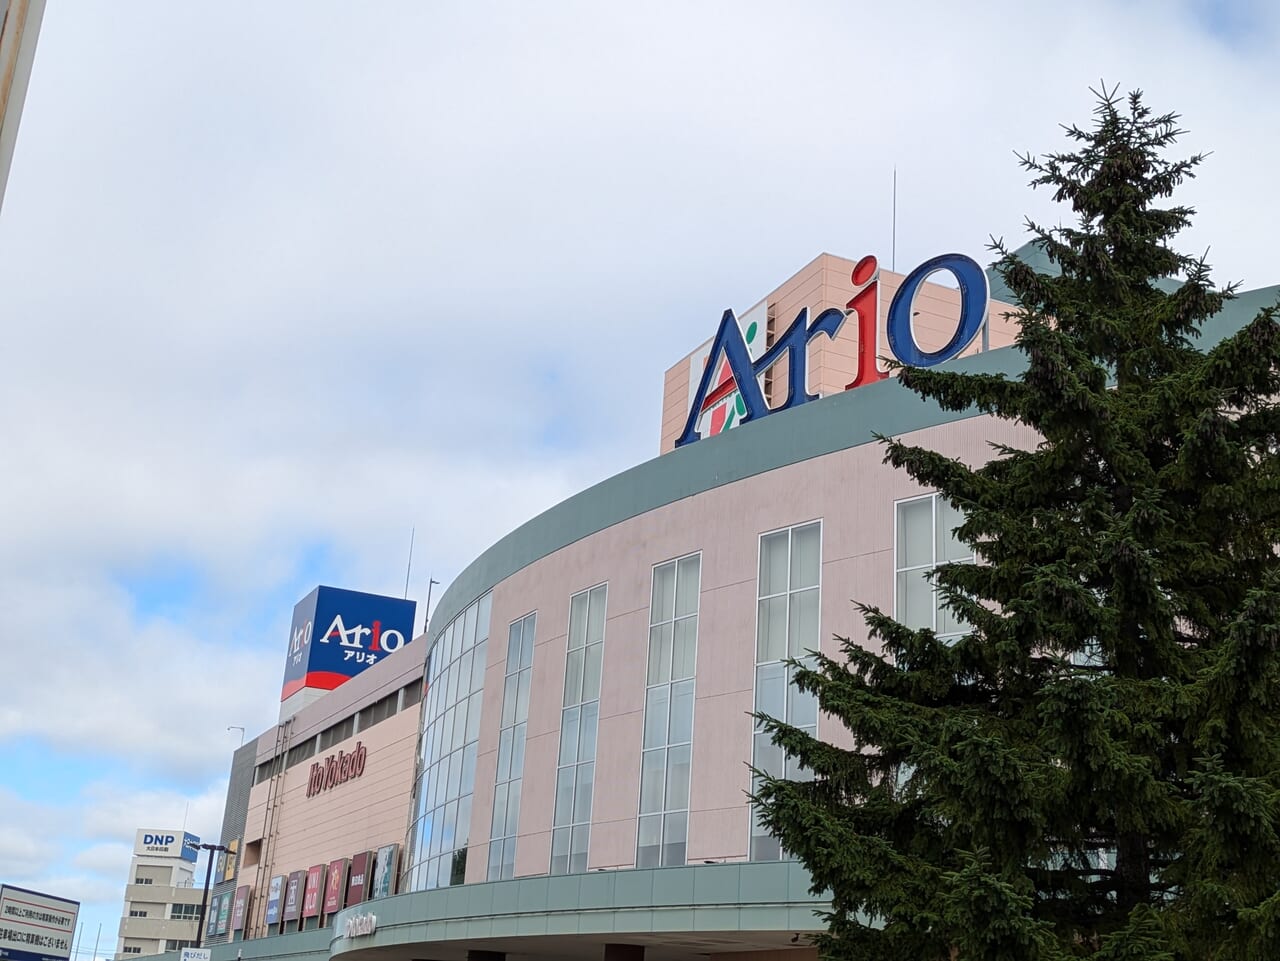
[208,871]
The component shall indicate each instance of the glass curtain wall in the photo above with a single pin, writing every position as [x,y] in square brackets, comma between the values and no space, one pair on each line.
[447,750]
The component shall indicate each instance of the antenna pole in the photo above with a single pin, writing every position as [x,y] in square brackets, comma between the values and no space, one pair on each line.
[893,244]
[409,566]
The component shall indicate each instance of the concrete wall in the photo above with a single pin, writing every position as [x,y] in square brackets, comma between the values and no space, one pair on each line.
[286,831]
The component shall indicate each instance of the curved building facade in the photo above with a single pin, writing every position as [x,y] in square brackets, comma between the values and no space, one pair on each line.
[634,629]
[585,744]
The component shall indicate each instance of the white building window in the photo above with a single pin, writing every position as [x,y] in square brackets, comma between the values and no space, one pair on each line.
[575,772]
[924,538]
[663,828]
[789,593]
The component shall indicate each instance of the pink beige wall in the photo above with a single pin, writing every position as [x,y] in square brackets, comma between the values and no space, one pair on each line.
[362,814]
[851,491]
[825,282]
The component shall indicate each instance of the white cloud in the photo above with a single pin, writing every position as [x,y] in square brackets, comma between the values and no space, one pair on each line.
[22,855]
[109,860]
[116,812]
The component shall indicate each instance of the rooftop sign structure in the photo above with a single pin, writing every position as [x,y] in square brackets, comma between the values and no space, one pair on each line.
[731,368]
[336,634]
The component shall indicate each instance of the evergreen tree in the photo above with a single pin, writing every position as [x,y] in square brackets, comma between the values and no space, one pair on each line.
[1093,769]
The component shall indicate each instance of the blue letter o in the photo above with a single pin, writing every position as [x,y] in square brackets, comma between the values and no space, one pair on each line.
[974,293]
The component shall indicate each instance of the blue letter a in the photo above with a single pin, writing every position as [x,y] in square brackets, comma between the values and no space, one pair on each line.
[728,342]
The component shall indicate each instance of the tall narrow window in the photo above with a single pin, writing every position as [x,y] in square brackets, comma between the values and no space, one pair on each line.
[668,713]
[926,538]
[788,592]
[515,714]
[575,773]
[447,750]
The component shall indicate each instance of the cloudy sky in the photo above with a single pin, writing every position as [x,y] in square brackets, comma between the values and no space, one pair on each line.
[279,284]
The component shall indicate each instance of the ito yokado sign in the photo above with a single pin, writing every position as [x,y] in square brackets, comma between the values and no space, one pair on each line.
[736,364]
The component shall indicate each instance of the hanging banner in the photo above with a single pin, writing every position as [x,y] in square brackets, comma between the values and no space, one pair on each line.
[335,886]
[311,895]
[240,908]
[293,896]
[274,897]
[384,871]
[358,884]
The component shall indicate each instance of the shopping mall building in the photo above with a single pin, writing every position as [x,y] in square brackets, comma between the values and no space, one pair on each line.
[559,767]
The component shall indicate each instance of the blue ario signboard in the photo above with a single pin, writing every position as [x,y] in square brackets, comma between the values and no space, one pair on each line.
[336,634]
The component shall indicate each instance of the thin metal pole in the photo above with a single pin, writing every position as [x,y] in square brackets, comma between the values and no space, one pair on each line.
[204,900]
[893,244]
[409,566]
[95,942]
[426,614]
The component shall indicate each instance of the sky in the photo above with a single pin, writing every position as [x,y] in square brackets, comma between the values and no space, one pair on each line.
[283,282]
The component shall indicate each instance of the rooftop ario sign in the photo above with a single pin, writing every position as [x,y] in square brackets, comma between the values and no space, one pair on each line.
[730,367]
[336,634]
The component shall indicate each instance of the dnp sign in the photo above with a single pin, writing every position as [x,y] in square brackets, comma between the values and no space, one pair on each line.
[336,634]
[171,844]
[865,305]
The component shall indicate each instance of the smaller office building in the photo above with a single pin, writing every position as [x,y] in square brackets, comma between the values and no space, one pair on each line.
[161,901]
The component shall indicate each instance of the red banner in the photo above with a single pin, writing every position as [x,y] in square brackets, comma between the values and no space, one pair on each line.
[335,886]
[358,883]
[311,899]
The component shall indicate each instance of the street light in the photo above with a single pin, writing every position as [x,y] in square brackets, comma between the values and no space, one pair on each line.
[208,871]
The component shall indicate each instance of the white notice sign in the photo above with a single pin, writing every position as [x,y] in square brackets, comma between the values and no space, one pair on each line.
[34,926]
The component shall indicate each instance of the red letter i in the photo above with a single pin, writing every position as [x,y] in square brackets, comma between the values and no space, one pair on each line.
[866,304]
